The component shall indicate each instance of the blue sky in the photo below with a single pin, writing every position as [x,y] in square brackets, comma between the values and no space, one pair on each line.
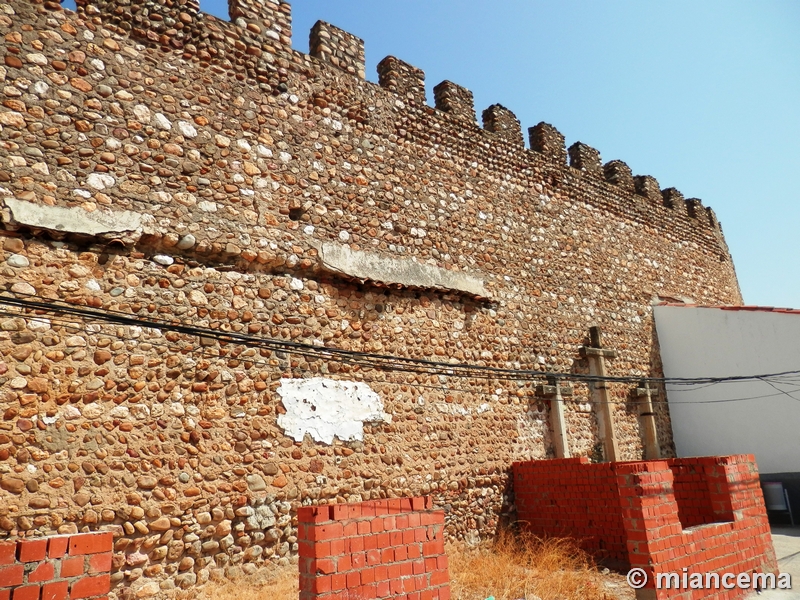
[704,96]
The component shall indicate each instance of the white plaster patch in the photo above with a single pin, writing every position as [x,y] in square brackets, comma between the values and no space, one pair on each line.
[324,409]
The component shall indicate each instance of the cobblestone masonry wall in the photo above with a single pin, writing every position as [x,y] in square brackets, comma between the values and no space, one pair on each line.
[163,163]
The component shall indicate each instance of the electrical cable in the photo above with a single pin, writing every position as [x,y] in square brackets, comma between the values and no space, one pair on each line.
[364,359]
[206,352]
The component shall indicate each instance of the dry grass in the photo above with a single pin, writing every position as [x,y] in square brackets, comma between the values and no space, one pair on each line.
[510,568]
[268,584]
[514,567]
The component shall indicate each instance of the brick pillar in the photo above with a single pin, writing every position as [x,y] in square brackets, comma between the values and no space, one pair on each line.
[377,549]
[746,502]
[650,517]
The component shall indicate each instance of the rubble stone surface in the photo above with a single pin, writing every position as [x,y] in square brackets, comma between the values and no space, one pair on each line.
[159,163]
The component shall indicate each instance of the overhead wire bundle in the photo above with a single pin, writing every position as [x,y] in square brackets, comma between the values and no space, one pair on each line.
[17,305]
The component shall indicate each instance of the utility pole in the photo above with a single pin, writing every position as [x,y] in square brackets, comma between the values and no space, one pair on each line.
[597,355]
[645,393]
[555,392]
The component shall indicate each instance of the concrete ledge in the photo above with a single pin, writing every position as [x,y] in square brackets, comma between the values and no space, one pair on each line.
[76,220]
[340,259]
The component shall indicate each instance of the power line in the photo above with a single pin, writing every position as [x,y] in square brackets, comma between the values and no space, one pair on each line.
[775,386]
[206,352]
[364,359]
[725,400]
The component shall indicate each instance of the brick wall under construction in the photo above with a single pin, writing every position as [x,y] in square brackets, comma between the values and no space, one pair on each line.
[56,568]
[686,516]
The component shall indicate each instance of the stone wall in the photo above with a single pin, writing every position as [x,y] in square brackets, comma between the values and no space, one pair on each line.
[174,169]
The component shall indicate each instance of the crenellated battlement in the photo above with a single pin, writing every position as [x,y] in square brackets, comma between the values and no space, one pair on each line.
[647,186]
[455,100]
[619,173]
[674,199]
[262,36]
[271,19]
[501,121]
[337,47]
[403,79]
[549,141]
[585,158]
[255,48]
[249,47]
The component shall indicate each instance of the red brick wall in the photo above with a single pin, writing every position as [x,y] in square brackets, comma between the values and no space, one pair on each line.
[658,543]
[693,479]
[380,549]
[572,497]
[705,514]
[56,568]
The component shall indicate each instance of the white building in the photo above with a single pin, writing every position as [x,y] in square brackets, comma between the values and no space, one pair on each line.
[751,416]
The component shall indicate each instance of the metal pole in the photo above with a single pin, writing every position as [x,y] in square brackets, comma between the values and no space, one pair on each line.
[789,506]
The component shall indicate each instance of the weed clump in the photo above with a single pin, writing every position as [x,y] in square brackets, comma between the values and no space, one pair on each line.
[521,566]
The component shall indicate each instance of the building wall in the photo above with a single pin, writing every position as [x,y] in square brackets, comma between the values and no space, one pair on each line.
[715,342]
[164,164]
